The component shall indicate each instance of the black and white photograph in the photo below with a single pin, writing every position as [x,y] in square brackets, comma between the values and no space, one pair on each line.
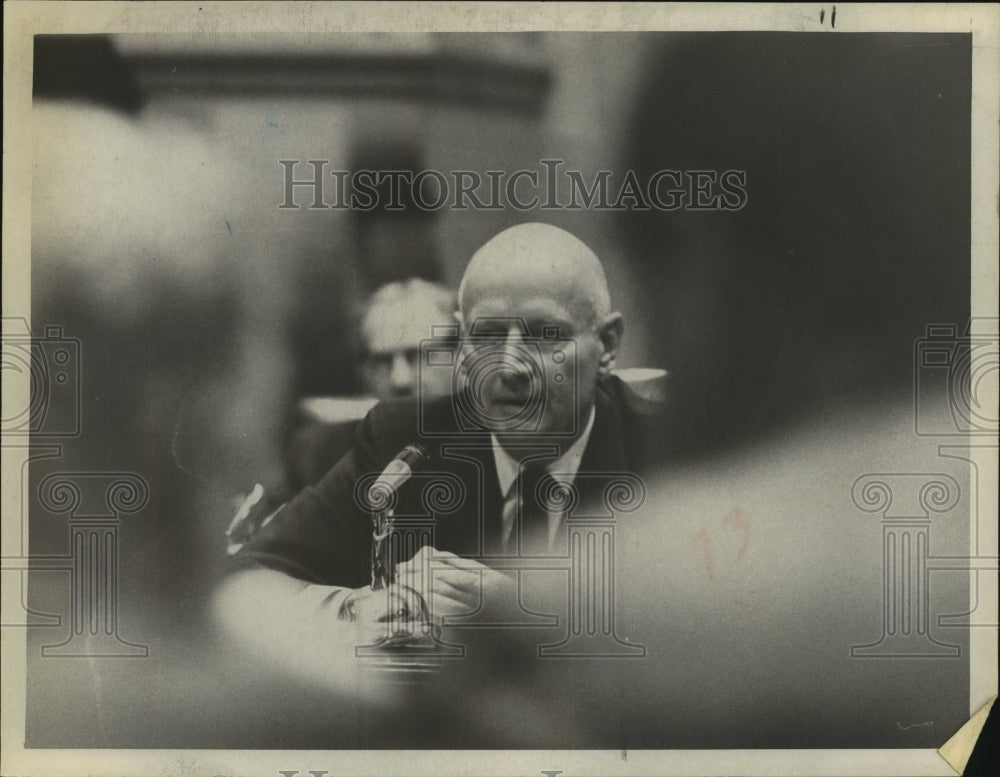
[501,389]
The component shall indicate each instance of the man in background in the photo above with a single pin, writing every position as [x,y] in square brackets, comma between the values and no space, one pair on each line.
[395,320]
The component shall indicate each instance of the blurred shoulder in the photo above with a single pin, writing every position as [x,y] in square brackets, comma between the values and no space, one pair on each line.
[642,420]
[395,423]
[625,399]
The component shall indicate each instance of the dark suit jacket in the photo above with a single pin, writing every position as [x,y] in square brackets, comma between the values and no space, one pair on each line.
[454,502]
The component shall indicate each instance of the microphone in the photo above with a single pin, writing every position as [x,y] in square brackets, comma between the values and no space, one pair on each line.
[381,497]
[398,471]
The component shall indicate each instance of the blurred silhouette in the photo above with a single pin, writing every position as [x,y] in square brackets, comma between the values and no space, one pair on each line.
[854,236]
[85,68]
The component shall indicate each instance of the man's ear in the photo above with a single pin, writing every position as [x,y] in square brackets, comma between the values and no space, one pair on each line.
[610,333]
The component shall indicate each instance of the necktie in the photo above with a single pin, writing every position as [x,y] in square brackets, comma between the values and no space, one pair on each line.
[534,486]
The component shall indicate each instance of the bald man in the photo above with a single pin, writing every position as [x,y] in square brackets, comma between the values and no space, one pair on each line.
[539,286]
[535,407]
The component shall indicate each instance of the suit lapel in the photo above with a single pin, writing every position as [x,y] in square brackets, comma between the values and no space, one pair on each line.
[477,525]
[603,458]
[479,528]
[605,450]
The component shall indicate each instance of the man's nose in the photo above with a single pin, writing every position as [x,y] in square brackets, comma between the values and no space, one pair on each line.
[401,375]
[516,358]
[513,348]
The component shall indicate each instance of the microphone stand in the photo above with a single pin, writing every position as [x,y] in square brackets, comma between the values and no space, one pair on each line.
[411,652]
[381,562]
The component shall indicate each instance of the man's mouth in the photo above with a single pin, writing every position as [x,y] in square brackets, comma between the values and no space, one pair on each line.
[510,401]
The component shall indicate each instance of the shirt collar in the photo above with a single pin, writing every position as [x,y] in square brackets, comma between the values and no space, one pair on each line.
[563,469]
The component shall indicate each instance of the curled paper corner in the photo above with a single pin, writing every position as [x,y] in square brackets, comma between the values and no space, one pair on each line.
[957,750]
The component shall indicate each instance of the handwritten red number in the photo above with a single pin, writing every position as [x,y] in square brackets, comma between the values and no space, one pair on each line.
[735,521]
[703,543]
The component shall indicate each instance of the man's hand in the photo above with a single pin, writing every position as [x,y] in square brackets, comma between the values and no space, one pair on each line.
[393,615]
[452,585]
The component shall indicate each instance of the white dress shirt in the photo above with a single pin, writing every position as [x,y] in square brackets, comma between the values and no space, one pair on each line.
[563,470]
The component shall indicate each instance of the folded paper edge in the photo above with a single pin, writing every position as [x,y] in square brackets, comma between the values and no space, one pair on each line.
[957,750]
